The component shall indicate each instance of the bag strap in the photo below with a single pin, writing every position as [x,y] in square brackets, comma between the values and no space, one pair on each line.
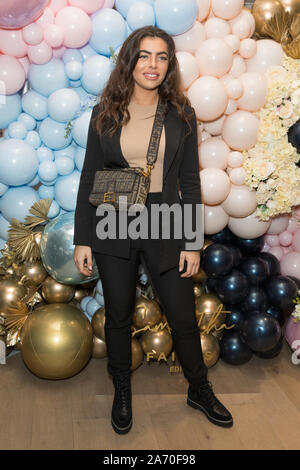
[155,135]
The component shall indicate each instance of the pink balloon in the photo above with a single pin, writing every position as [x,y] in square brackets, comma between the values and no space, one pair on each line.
[204,136]
[286,238]
[292,332]
[40,54]
[290,264]
[227,9]
[214,57]
[248,227]
[54,35]
[215,185]
[32,34]
[268,53]
[213,154]
[233,42]
[56,5]
[238,66]
[296,241]
[240,201]
[231,107]
[89,6]
[240,130]
[12,43]
[286,249]
[293,225]
[58,52]
[255,89]
[214,127]
[216,28]
[241,28]
[19,13]
[12,74]
[247,48]
[191,39]
[76,24]
[296,212]
[234,89]
[46,18]
[238,176]
[245,14]
[25,64]
[208,97]
[203,9]
[108,3]
[278,224]
[266,247]
[189,69]
[277,251]
[272,240]
[235,159]
[226,79]
[215,219]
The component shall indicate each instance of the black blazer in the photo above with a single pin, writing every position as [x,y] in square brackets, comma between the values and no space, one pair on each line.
[181,166]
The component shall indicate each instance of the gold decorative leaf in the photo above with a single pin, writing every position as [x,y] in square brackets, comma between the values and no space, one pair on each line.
[292,49]
[39,211]
[277,27]
[22,241]
[16,316]
[295,26]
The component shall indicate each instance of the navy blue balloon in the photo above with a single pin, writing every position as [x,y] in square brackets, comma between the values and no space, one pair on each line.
[256,299]
[233,349]
[235,318]
[225,236]
[232,288]
[236,253]
[272,262]
[217,260]
[294,137]
[277,314]
[282,291]
[261,332]
[211,284]
[251,246]
[256,269]
[272,352]
[297,281]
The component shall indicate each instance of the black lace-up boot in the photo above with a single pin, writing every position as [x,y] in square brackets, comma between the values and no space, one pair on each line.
[202,397]
[121,415]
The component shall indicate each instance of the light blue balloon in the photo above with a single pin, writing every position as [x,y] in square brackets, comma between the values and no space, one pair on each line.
[16,202]
[35,105]
[85,301]
[175,16]
[109,30]
[63,104]
[81,127]
[4,225]
[28,121]
[54,210]
[96,72]
[72,54]
[47,171]
[35,181]
[3,188]
[33,139]
[10,108]
[100,299]
[99,287]
[64,165]
[79,157]
[17,130]
[75,83]
[66,188]
[83,95]
[87,51]
[53,134]
[69,152]
[73,69]
[91,307]
[44,154]
[48,183]
[46,192]
[47,78]
[129,30]
[18,162]
[123,5]
[140,14]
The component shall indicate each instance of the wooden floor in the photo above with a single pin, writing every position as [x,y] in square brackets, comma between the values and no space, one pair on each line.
[263,396]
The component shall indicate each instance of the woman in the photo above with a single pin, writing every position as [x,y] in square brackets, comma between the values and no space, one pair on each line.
[119,134]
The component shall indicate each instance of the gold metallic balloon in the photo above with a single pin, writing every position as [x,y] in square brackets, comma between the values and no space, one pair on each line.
[56,292]
[98,322]
[137,355]
[269,18]
[157,343]
[74,303]
[291,6]
[206,244]
[34,271]
[10,271]
[200,276]
[99,348]
[146,312]
[210,349]
[217,333]
[56,341]
[81,293]
[207,309]
[198,290]
[10,291]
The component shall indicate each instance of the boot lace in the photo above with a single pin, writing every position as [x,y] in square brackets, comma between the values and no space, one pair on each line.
[206,390]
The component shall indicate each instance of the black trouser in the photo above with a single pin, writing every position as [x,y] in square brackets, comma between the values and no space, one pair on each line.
[176,295]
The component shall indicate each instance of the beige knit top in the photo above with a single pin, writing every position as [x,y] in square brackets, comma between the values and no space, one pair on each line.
[134,141]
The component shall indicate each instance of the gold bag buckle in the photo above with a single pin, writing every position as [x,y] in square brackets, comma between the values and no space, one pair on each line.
[109,196]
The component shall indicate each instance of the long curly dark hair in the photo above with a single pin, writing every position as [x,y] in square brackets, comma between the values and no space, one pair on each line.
[116,96]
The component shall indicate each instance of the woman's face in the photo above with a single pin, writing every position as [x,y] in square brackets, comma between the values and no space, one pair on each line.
[152,65]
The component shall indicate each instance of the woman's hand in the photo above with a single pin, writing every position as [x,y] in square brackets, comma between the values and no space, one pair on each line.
[193,262]
[82,253]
